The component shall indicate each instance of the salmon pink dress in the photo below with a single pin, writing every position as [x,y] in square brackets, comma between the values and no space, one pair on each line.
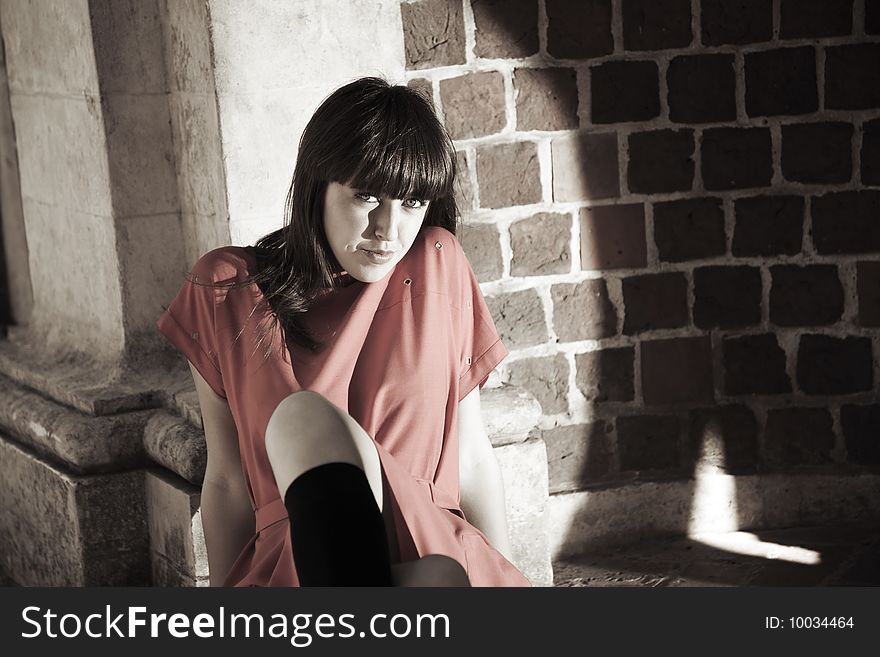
[398,356]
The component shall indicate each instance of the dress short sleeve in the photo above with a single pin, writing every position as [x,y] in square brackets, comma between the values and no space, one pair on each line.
[189,322]
[481,346]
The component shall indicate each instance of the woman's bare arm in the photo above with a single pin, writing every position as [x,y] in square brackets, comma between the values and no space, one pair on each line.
[227,517]
[482,486]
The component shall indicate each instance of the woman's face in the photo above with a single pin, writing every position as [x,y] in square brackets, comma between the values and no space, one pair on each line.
[357,221]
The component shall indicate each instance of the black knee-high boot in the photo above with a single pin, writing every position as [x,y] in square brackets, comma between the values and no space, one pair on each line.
[336,528]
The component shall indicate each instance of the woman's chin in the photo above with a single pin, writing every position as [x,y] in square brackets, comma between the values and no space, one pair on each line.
[370,274]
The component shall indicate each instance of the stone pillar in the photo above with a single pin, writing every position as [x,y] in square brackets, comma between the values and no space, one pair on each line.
[148,132]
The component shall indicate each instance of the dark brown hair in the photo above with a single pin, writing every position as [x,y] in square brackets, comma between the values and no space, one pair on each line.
[367,134]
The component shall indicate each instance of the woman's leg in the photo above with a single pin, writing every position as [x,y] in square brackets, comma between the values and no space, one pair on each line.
[327,470]
[305,431]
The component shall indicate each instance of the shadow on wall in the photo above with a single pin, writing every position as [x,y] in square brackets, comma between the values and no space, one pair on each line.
[682,204]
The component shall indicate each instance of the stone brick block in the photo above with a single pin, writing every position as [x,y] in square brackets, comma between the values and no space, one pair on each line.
[59,529]
[127,38]
[872,16]
[870,154]
[811,295]
[71,173]
[524,471]
[482,245]
[829,365]
[508,174]
[861,427]
[817,152]
[781,81]
[196,145]
[624,91]
[546,98]
[677,370]
[433,33]
[723,438]
[505,28]
[585,167]
[583,310]
[868,275]
[577,454]
[727,296]
[768,225]
[798,436]
[465,192]
[546,378]
[473,104]
[655,301]
[49,48]
[738,22]
[613,237]
[424,87]
[606,375]
[846,222]
[541,245]
[510,414]
[661,161]
[815,18]
[519,318]
[702,88]
[579,29]
[736,158]
[177,541]
[689,229]
[656,24]
[754,365]
[648,442]
[851,74]
[187,47]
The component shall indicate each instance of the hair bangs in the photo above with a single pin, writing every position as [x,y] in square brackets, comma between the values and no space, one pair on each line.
[401,151]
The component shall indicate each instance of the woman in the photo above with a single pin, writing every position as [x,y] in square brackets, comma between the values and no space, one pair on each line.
[338,364]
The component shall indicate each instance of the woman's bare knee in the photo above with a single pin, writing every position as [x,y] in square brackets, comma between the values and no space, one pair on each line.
[306,430]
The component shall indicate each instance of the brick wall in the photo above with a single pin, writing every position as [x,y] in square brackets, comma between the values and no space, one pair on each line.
[673,207]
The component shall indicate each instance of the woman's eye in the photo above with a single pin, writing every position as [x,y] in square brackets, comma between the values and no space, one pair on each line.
[418,203]
[365,196]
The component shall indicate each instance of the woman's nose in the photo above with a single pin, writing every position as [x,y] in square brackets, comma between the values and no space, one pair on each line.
[386,218]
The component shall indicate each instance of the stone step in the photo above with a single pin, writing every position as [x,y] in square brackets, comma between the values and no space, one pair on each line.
[709,503]
[826,555]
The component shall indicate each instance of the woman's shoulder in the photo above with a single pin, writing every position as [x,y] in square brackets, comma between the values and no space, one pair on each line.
[432,236]
[225,263]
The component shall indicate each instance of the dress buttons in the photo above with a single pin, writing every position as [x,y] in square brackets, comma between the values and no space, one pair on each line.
[195,335]
[407,281]
[438,244]
[468,360]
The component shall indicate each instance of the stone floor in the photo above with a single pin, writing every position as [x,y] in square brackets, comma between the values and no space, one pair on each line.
[802,556]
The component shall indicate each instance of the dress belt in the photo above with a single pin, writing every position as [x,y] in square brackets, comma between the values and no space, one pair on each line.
[275,511]
[270,513]
[442,498]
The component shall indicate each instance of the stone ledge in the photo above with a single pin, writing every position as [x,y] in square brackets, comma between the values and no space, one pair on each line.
[83,443]
[174,443]
[598,519]
[92,387]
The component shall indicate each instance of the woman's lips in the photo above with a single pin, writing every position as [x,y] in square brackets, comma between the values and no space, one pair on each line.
[378,257]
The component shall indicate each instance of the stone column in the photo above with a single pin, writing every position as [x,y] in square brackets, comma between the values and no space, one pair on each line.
[148,132]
